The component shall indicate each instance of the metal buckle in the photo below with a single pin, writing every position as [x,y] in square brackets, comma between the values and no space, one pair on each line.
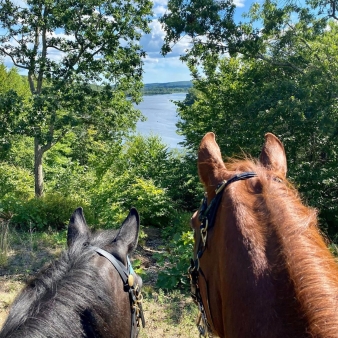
[221,187]
[204,232]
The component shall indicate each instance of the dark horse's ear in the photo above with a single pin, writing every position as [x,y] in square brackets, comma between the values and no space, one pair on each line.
[273,155]
[77,227]
[128,235]
[210,162]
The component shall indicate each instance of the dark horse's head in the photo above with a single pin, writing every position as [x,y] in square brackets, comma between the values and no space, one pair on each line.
[91,291]
[261,268]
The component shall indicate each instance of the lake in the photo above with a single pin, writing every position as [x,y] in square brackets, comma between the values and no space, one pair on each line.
[161,118]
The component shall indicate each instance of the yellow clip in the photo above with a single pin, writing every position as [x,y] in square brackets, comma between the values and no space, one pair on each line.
[130,280]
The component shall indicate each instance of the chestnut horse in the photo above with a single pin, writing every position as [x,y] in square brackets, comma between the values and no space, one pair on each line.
[91,291]
[261,268]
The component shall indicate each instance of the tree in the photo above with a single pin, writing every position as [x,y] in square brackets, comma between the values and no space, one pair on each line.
[11,85]
[283,80]
[82,60]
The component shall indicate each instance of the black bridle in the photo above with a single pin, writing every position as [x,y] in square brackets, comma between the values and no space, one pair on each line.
[207,214]
[135,296]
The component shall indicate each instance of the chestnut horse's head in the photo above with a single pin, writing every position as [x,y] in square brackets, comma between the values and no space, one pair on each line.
[261,267]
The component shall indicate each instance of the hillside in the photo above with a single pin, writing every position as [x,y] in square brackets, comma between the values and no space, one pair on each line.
[166,88]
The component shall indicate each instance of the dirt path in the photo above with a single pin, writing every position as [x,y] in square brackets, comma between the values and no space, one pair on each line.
[167,314]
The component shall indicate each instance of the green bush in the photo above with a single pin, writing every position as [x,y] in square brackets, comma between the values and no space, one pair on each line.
[114,196]
[177,259]
[15,181]
[177,254]
[49,212]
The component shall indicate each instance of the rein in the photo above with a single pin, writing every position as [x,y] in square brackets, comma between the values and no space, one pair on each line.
[134,291]
[207,215]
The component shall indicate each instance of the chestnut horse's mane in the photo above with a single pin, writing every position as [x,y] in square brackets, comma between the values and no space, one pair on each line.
[279,212]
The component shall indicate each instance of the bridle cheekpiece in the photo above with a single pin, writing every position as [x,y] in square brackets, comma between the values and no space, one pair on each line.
[207,214]
[135,296]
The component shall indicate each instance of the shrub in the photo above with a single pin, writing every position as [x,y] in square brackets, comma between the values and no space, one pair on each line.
[49,212]
[114,197]
[176,258]
[15,181]
[178,251]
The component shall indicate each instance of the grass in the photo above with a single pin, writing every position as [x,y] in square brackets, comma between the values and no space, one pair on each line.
[168,314]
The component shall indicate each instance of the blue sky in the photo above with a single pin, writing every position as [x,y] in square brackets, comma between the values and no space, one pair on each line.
[168,69]
[156,67]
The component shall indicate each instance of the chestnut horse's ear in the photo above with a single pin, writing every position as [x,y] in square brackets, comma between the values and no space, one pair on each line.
[210,162]
[273,155]
[77,227]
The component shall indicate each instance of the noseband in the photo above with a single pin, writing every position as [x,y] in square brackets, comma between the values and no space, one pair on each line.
[133,289]
[207,215]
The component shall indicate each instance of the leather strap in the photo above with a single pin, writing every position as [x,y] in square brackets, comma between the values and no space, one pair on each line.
[121,269]
[124,273]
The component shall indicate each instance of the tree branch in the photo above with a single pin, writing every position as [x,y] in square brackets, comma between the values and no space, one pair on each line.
[279,64]
[12,58]
[43,54]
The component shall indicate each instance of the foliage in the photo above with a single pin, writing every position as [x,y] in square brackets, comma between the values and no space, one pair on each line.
[173,170]
[12,87]
[146,157]
[149,158]
[114,196]
[11,80]
[108,180]
[50,212]
[282,80]
[182,181]
[177,254]
[94,50]
[15,181]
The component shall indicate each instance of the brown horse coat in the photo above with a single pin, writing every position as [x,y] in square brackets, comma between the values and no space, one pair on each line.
[267,271]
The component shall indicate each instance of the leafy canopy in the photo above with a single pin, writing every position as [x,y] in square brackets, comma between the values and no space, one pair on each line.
[281,78]
[82,59]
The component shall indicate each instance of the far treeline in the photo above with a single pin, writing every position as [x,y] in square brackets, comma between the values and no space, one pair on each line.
[63,143]
[167,88]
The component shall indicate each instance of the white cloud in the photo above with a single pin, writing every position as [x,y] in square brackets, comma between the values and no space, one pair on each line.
[160,3]
[239,3]
[153,42]
[159,10]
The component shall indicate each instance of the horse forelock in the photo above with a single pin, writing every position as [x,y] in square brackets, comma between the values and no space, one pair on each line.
[51,302]
[281,240]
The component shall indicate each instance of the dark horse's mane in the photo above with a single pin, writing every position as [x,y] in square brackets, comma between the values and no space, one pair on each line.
[66,289]
[297,245]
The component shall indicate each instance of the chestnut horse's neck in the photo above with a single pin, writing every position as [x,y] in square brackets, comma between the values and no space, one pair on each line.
[279,279]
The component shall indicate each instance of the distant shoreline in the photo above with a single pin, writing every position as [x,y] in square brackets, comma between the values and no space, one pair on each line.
[150,93]
[166,88]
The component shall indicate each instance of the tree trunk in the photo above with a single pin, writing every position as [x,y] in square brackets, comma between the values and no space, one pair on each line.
[38,172]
